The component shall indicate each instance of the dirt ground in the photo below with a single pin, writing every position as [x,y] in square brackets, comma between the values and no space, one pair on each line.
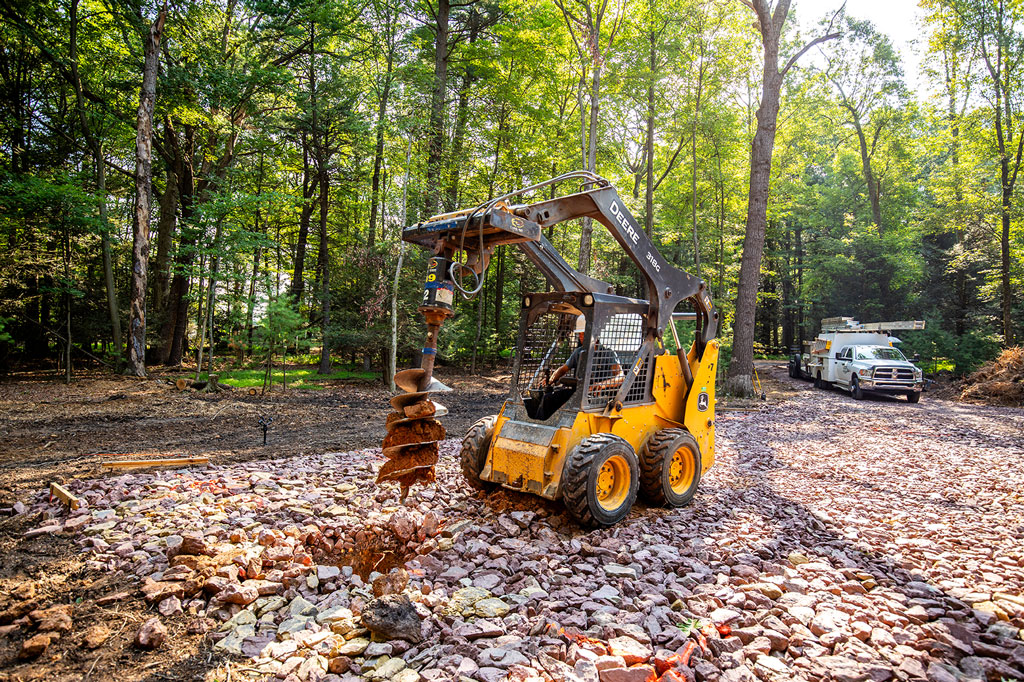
[52,432]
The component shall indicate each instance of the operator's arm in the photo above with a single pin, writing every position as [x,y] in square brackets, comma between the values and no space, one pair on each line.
[559,373]
[617,377]
[570,363]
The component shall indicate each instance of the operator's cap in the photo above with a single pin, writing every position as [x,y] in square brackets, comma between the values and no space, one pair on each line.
[581,324]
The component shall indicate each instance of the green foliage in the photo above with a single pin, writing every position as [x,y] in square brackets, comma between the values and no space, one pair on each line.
[939,349]
[688,626]
[281,324]
[883,204]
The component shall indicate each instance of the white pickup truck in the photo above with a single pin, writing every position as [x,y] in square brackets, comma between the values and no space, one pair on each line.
[860,358]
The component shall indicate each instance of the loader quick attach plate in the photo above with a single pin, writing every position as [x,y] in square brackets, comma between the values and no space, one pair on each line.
[499,227]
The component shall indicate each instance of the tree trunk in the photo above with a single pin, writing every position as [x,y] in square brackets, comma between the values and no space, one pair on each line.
[108,261]
[787,291]
[323,256]
[587,231]
[176,323]
[164,241]
[869,176]
[435,132]
[649,142]
[143,193]
[206,318]
[499,289]
[741,367]
[378,155]
[393,363]
[462,118]
[308,190]
[1004,249]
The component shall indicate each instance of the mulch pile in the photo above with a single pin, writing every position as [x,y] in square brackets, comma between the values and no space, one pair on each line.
[1000,382]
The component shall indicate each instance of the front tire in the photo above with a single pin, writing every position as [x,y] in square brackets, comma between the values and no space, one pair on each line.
[473,456]
[914,397]
[855,389]
[600,480]
[670,468]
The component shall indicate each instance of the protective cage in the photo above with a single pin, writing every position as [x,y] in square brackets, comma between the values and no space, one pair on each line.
[616,366]
[548,341]
[615,357]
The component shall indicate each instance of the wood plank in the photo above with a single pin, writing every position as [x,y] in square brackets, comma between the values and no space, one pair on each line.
[65,496]
[179,461]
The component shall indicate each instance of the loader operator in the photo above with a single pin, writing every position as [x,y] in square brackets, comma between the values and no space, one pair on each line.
[607,371]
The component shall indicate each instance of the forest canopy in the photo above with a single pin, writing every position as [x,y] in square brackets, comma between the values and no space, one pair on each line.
[249,194]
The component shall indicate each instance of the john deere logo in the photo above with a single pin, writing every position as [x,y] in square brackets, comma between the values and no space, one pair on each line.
[702,402]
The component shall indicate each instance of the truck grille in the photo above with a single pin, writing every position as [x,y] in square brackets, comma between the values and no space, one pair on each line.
[899,374]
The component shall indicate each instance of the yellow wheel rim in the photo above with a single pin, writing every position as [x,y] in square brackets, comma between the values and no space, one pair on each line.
[613,483]
[681,471]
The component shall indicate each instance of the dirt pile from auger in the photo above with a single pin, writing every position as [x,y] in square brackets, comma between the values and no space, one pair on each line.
[1000,382]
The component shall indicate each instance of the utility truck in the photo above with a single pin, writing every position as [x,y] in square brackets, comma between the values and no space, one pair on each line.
[860,358]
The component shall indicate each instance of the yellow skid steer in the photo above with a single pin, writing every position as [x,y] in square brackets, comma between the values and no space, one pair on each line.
[598,409]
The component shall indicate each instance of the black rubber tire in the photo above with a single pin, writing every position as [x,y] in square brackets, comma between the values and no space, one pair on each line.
[655,467]
[475,445]
[821,383]
[579,479]
[855,389]
[914,397]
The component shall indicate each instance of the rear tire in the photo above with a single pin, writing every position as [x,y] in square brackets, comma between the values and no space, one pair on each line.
[855,389]
[914,397]
[475,445]
[600,480]
[670,468]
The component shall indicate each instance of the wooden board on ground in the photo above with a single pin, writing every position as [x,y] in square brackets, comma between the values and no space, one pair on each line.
[177,461]
[65,496]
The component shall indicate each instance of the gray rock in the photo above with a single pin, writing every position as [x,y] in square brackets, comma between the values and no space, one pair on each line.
[497,657]
[301,607]
[393,616]
[619,571]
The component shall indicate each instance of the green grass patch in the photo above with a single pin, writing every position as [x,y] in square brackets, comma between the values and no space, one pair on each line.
[304,377]
[936,365]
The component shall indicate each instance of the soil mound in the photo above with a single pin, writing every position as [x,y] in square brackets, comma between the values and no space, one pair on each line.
[1000,382]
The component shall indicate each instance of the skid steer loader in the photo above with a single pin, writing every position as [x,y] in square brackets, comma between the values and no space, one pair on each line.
[598,409]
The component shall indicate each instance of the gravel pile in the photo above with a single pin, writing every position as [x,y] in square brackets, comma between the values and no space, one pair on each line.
[833,540]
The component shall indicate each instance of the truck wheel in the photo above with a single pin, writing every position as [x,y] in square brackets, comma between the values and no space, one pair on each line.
[670,468]
[475,445]
[855,389]
[914,397]
[600,480]
[820,383]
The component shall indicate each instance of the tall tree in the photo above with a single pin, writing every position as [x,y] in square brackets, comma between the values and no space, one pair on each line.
[143,192]
[864,69]
[584,19]
[770,23]
[997,28]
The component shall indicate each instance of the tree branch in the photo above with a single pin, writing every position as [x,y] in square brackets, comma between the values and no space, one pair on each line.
[792,60]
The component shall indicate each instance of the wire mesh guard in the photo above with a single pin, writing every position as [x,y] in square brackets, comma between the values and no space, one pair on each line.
[618,343]
[548,343]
